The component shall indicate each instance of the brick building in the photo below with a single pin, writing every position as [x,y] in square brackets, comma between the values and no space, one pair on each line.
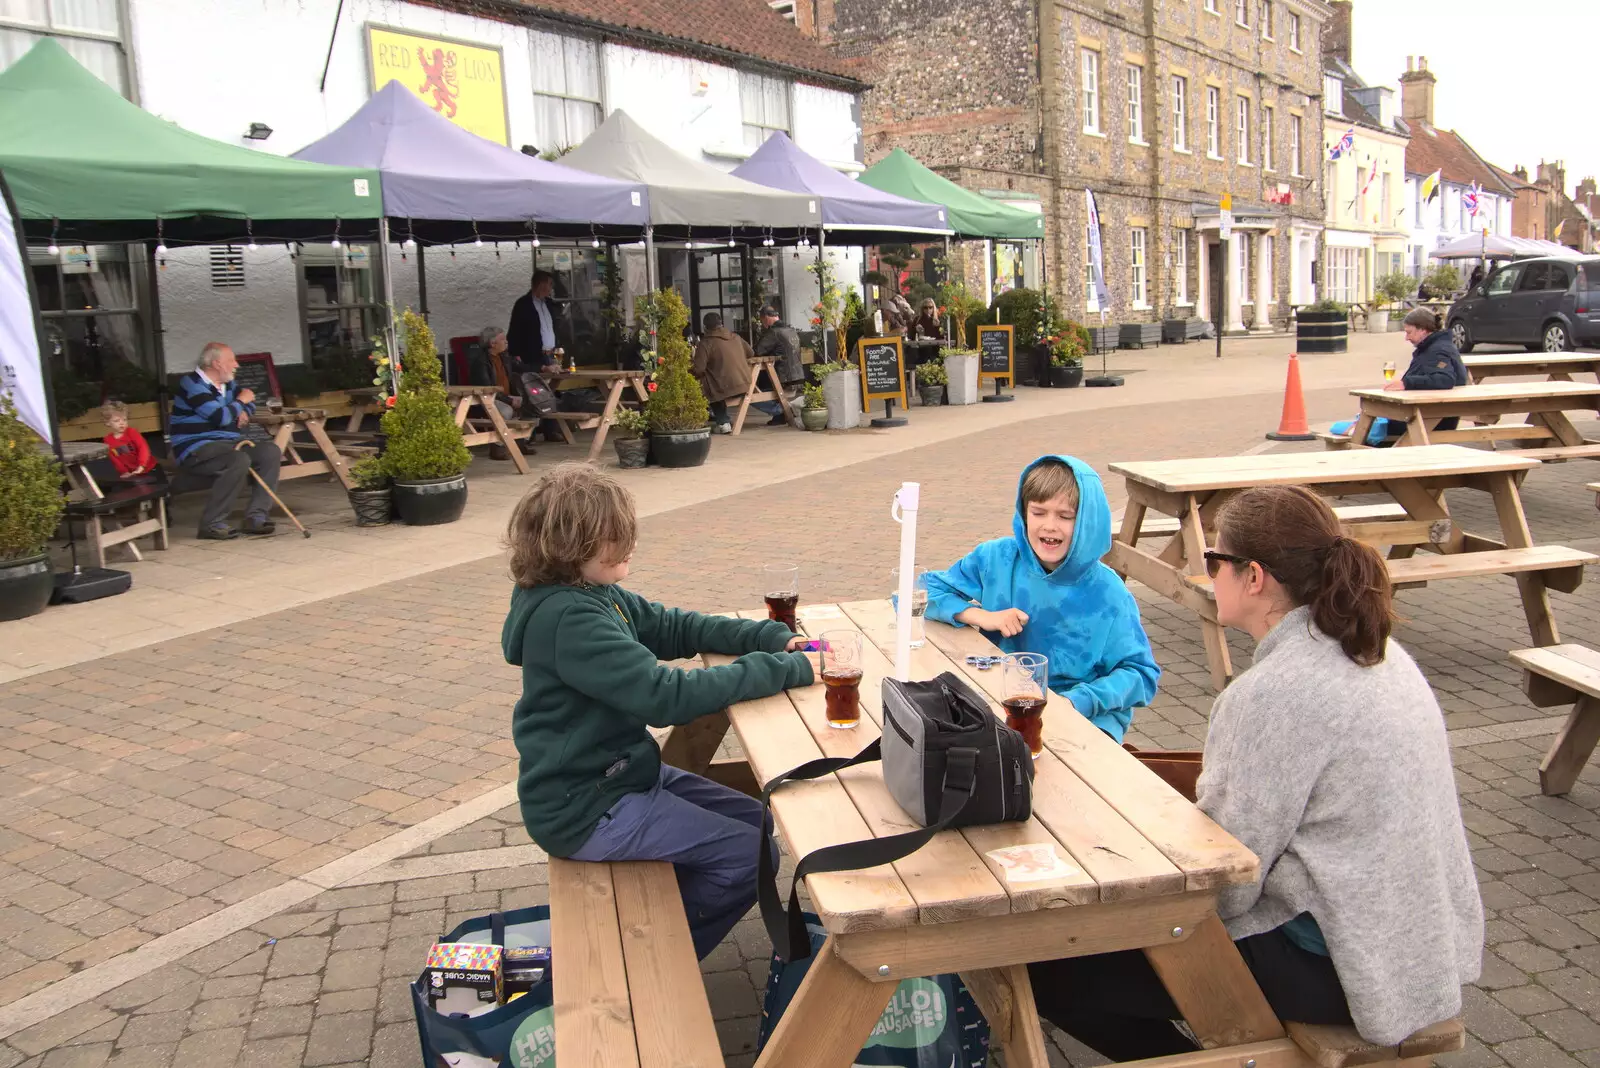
[1159,106]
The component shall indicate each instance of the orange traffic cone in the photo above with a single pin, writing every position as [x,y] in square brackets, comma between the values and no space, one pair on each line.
[1293,425]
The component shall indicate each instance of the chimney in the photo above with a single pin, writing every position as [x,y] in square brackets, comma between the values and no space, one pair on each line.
[1416,92]
[1521,172]
[1587,188]
[1336,33]
[1558,175]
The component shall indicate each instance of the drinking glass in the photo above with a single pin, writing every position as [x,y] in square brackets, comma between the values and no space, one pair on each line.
[841,674]
[780,585]
[1388,371]
[919,602]
[1026,681]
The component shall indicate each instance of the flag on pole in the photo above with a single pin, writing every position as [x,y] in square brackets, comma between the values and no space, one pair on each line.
[21,360]
[1469,199]
[1430,186]
[1343,145]
[1368,185]
[1096,257]
[1562,225]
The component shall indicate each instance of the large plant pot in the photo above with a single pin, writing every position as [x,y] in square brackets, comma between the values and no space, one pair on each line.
[962,370]
[632,452]
[25,586]
[428,502]
[1065,377]
[842,391]
[814,418]
[931,396]
[1321,331]
[373,507]
[682,448]
[1378,322]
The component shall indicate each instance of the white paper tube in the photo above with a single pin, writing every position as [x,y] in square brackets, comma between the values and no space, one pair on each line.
[904,511]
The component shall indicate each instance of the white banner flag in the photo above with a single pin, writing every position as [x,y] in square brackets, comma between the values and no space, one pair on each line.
[1096,259]
[21,375]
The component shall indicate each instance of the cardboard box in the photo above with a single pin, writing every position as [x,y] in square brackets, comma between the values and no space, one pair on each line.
[464,966]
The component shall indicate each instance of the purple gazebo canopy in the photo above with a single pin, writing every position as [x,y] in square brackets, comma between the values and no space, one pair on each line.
[847,205]
[441,179]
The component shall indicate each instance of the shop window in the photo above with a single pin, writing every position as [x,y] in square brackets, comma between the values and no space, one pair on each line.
[90,30]
[566,91]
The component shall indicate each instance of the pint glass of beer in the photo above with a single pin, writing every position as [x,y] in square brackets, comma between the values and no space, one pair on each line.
[1026,681]
[780,586]
[841,674]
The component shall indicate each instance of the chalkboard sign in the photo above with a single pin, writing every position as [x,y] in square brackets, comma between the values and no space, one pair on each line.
[256,372]
[994,352]
[883,373]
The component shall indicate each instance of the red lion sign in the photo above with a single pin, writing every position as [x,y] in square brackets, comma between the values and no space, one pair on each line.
[441,80]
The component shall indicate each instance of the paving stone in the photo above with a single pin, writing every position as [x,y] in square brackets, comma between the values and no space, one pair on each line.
[1529,956]
[1577,987]
[1490,1021]
[1527,1000]
[347,1037]
[143,1056]
[294,990]
[1534,1053]
[298,956]
[1569,1029]
[396,1047]
[77,1056]
[340,1001]
[285,1020]
[221,1012]
[272,1053]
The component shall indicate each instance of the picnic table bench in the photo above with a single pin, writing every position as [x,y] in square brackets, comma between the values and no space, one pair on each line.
[283,425]
[615,382]
[1561,675]
[1546,404]
[754,395]
[1557,366]
[629,994]
[491,428]
[1193,491]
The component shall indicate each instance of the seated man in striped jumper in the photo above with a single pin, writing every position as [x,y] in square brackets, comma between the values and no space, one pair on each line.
[209,414]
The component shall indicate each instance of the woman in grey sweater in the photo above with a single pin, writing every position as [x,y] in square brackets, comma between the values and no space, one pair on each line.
[1328,759]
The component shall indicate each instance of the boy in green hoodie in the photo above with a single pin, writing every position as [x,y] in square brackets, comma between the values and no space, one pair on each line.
[591,782]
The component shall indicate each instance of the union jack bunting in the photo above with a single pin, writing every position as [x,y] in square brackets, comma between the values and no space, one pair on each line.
[1344,144]
[1469,200]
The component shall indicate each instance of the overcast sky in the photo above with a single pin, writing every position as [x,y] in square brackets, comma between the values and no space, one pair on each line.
[1512,79]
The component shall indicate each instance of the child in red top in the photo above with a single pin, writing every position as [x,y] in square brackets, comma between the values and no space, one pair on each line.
[130,455]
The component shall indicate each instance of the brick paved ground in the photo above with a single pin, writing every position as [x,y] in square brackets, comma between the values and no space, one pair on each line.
[156,788]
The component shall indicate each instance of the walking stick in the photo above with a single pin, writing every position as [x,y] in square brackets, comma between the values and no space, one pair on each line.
[245,443]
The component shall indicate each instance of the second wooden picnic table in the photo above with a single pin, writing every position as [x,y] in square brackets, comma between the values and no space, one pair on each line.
[1144,867]
[1546,405]
[491,428]
[615,382]
[1557,366]
[1193,491]
[282,426]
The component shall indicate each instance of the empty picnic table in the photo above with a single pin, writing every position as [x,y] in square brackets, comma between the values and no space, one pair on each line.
[614,382]
[1145,868]
[1557,366]
[490,429]
[282,426]
[1546,405]
[1193,491]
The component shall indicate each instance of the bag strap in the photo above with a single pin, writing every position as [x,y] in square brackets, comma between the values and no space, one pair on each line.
[786,926]
[497,928]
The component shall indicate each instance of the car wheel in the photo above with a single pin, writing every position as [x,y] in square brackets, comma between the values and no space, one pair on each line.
[1458,334]
[1556,338]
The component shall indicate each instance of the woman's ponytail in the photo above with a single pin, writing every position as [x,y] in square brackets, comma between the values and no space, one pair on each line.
[1295,535]
[1353,602]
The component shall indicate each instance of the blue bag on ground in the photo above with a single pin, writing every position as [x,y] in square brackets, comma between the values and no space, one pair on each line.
[930,1023]
[1379,433]
[518,1035]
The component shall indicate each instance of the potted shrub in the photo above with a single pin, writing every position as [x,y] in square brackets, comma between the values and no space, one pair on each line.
[1066,357]
[1322,327]
[960,305]
[424,454]
[1389,290]
[628,429]
[1442,280]
[1027,310]
[372,497]
[841,391]
[679,418]
[814,414]
[931,380]
[30,507]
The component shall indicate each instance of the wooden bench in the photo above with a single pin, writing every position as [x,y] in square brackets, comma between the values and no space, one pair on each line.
[1560,567]
[630,994]
[1594,487]
[1377,524]
[1560,675]
[1558,453]
[1490,432]
[104,528]
[1329,1046]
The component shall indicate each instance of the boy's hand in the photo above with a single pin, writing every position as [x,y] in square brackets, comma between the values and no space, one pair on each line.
[1008,622]
[796,642]
[816,666]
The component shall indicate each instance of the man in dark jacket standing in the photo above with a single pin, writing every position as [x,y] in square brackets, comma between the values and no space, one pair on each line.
[781,343]
[531,339]
[722,367]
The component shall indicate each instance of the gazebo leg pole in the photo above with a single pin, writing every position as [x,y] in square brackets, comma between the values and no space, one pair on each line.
[650,258]
[422,282]
[387,267]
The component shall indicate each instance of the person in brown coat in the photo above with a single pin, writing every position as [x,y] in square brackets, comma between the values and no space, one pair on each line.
[722,367]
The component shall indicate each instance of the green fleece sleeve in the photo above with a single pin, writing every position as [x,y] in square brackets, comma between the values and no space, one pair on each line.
[673,634]
[597,657]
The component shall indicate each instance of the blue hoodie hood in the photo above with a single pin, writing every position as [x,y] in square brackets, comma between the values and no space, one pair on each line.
[1081,615]
[1091,531]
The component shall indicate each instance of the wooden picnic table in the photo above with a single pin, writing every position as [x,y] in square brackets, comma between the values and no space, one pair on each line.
[1145,869]
[754,394]
[490,429]
[314,421]
[1557,366]
[1546,405]
[78,455]
[615,382]
[1193,491]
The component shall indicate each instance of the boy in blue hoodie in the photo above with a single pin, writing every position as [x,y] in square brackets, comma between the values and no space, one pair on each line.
[1044,590]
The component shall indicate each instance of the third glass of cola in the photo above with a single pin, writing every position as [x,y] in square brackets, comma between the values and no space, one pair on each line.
[1027,682]
[780,585]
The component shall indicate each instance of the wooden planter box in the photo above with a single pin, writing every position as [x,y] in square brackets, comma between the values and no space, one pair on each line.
[1174,331]
[1139,335]
[1322,331]
[144,417]
[1104,338]
[1194,329]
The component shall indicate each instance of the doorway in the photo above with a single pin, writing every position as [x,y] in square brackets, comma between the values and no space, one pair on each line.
[1216,276]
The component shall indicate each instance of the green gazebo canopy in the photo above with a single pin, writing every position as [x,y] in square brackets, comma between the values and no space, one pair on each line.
[74,150]
[970,214]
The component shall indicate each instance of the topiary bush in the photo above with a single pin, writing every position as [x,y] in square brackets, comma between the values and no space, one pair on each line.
[1020,308]
[423,439]
[676,402]
[1393,288]
[30,488]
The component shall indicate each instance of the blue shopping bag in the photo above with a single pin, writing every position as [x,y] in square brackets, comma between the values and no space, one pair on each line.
[518,1035]
[930,1023]
[1378,435]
